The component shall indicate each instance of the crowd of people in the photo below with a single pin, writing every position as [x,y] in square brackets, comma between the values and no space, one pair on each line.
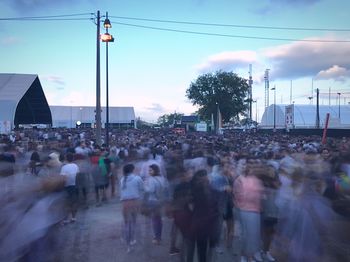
[271,191]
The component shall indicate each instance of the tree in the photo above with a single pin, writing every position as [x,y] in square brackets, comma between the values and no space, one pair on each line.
[169,120]
[225,90]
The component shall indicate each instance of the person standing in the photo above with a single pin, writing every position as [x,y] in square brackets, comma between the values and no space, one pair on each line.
[70,171]
[248,192]
[155,188]
[131,192]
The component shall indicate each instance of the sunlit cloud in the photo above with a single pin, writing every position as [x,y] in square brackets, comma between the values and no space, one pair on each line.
[335,72]
[228,61]
[305,59]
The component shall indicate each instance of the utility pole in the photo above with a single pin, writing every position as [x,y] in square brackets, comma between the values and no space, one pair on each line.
[98,83]
[267,87]
[250,91]
[317,108]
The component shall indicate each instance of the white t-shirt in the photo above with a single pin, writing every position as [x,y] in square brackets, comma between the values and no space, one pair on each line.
[70,171]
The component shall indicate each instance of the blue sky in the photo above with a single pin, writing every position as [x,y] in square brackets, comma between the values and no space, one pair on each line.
[151,69]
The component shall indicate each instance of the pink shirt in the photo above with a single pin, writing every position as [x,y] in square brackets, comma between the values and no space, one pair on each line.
[248,192]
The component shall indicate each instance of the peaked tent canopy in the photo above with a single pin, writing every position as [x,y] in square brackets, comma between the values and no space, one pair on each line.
[22,100]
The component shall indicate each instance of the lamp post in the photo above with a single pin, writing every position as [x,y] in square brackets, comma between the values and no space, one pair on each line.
[106,37]
[339,105]
[274,108]
[256,110]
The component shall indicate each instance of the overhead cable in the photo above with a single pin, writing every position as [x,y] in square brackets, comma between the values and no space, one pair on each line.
[234,36]
[233,25]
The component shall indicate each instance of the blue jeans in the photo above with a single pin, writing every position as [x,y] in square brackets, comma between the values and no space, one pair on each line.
[157,223]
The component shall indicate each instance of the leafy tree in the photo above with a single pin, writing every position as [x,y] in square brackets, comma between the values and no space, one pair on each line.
[168,120]
[225,90]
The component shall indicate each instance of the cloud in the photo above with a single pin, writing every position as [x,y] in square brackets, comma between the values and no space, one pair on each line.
[32,5]
[54,79]
[305,59]
[10,40]
[272,5]
[227,61]
[157,108]
[335,72]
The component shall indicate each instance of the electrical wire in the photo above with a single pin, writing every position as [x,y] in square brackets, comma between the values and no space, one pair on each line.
[63,18]
[233,25]
[234,36]
[43,17]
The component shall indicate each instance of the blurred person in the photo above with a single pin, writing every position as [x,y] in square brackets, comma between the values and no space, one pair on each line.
[131,192]
[156,187]
[35,164]
[101,169]
[70,170]
[179,210]
[248,192]
[204,217]
[270,212]
[220,184]
[29,209]
[230,174]
[83,177]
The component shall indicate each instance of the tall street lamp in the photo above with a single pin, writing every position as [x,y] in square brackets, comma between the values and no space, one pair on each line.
[274,108]
[339,105]
[106,37]
[256,110]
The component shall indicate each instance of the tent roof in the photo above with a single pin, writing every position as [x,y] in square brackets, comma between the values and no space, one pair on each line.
[22,100]
[14,86]
[305,115]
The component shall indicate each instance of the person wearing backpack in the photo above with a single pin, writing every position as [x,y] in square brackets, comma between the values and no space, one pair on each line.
[155,189]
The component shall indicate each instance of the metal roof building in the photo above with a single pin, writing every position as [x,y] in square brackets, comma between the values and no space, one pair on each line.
[304,116]
[22,101]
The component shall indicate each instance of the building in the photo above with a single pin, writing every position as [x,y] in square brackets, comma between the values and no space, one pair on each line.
[84,116]
[22,102]
[304,116]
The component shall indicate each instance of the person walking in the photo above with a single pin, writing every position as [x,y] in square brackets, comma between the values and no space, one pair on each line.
[131,192]
[248,190]
[70,171]
[156,187]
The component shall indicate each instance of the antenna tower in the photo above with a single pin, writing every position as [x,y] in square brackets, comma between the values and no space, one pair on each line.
[250,91]
[267,87]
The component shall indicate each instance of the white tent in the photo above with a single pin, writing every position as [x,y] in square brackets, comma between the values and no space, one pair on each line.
[68,116]
[22,100]
[304,116]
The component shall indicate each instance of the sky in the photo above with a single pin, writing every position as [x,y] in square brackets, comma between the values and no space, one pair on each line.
[152,63]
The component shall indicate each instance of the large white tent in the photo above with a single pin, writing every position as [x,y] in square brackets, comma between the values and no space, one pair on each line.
[304,116]
[22,101]
[69,116]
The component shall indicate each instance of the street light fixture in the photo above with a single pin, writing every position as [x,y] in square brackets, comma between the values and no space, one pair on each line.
[274,108]
[106,37]
[339,105]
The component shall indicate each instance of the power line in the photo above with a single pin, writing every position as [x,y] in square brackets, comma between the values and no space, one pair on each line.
[234,36]
[63,18]
[233,25]
[47,19]
[43,17]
